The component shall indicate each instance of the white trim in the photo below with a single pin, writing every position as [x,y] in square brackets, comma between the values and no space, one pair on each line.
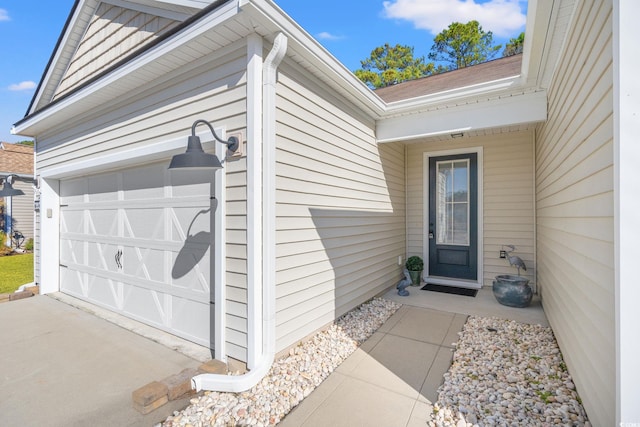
[484,88]
[220,15]
[266,353]
[626,151]
[49,235]
[131,157]
[499,112]
[254,193]
[220,255]
[480,207]
[151,10]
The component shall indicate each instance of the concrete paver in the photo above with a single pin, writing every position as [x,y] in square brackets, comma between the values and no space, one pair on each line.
[391,380]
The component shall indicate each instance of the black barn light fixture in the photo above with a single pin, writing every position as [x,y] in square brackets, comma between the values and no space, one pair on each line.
[195,157]
[7,188]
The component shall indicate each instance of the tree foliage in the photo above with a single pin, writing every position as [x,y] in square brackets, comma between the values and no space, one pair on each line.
[389,65]
[514,46]
[462,45]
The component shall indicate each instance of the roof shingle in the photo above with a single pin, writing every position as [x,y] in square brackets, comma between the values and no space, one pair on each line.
[16,158]
[488,71]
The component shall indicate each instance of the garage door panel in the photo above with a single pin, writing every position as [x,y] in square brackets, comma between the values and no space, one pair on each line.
[72,252]
[142,183]
[102,256]
[195,320]
[103,291]
[72,221]
[73,282]
[194,183]
[146,305]
[192,224]
[139,242]
[102,188]
[73,191]
[144,223]
[144,263]
[102,222]
[191,270]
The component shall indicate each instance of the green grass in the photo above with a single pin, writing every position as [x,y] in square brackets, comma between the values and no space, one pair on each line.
[15,270]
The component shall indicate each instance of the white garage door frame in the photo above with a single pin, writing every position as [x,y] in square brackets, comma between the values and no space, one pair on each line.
[50,213]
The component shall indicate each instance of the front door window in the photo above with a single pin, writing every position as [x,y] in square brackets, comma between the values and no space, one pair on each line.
[452,198]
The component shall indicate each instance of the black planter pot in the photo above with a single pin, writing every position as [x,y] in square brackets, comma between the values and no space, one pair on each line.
[513,291]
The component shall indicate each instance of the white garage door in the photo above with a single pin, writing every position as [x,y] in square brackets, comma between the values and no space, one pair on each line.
[139,242]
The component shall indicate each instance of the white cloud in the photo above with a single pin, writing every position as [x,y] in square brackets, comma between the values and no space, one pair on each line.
[27,85]
[4,15]
[328,36]
[502,17]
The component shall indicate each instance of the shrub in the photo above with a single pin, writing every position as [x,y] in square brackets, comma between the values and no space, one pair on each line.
[414,263]
[29,245]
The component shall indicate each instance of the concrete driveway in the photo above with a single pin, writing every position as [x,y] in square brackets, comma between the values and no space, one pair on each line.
[60,365]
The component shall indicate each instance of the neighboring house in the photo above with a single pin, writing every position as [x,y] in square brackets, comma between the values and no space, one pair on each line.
[17,211]
[334,184]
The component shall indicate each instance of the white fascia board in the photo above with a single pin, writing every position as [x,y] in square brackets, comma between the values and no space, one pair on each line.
[499,112]
[53,69]
[156,11]
[536,38]
[222,14]
[462,93]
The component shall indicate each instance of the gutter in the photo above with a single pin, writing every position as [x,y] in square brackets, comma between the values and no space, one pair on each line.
[263,356]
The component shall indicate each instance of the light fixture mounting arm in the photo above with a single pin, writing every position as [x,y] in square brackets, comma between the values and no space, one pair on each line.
[232,143]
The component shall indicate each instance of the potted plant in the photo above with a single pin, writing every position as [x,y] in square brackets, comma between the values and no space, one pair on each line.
[415,265]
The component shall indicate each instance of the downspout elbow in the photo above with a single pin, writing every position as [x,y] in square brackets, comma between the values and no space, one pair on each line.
[238,383]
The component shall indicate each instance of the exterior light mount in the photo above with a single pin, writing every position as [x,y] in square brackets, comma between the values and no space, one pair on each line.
[7,187]
[195,157]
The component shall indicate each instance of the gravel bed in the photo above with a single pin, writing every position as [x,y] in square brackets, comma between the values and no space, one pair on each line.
[506,373]
[291,378]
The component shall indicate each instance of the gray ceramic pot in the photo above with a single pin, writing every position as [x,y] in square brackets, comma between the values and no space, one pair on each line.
[513,291]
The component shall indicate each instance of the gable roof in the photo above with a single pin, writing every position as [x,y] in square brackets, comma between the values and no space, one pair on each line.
[215,25]
[488,71]
[16,159]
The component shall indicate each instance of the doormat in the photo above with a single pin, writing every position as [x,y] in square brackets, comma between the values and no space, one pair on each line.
[450,290]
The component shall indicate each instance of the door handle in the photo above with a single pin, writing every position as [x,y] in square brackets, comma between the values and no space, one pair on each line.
[119,258]
[430,234]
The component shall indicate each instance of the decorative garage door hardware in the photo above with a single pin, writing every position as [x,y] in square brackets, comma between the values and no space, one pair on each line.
[119,258]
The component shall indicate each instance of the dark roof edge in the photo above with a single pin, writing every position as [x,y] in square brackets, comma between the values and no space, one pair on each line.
[215,5]
[53,54]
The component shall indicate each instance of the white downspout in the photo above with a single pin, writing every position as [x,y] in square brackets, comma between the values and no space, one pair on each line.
[263,356]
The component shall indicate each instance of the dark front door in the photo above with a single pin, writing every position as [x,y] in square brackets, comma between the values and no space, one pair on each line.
[453,216]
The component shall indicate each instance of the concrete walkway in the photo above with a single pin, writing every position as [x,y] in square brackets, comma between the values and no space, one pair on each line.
[393,378]
[62,366]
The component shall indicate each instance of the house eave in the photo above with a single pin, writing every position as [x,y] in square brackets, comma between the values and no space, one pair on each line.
[126,74]
[506,110]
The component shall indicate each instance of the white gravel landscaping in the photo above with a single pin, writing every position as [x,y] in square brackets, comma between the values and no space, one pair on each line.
[291,378]
[506,373]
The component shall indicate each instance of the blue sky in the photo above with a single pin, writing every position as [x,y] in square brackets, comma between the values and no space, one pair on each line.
[349,29]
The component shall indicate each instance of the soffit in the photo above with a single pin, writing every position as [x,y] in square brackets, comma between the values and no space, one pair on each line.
[77,31]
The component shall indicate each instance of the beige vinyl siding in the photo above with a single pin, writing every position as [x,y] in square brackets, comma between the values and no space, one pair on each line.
[214,90]
[574,154]
[22,209]
[113,33]
[508,201]
[340,209]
